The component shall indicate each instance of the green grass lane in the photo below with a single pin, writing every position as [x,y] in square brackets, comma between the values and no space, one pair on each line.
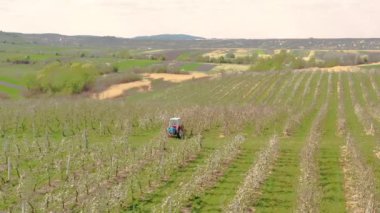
[222,96]
[331,175]
[365,143]
[275,87]
[211,142]
[296,86]
[216,198]
[279,192]
[234,95]
[11,80]
[262,87]
[250,80]
[10,91]
[190,67]
[372,98]
[279,93]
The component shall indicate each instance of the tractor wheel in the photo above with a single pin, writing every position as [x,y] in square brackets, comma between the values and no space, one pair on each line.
[181,134]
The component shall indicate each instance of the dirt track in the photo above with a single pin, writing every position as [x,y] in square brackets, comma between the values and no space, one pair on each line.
[118,89]
[175,78]
[145,85]
[342,68]
[11,85]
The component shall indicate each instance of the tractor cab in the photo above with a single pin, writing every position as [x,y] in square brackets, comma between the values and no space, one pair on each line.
[176,128]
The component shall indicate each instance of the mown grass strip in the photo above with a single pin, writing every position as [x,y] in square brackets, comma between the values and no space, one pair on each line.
[216,199]
[330,172]
[279,192]
[182,176]
[365,143]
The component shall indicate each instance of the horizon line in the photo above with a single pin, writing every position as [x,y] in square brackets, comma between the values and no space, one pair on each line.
[203,38]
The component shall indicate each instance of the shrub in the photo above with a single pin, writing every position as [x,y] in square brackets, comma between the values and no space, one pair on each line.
[362,59]
[122,54]
[19,60]
[63,78]
[280,61]
[230,55]
[107,68]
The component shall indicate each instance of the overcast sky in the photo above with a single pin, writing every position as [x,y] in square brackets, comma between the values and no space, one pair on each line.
[208,18]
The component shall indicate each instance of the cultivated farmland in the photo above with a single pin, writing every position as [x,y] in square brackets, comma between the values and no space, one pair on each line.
[278,141]
[83,125]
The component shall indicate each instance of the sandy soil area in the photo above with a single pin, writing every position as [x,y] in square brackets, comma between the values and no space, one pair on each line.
[242,52]
[377,153]
[341,69]
[175,78]
[118,89]
[231,67]
[216,53]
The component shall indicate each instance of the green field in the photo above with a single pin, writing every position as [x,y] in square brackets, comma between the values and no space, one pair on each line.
[190,67]
[130,64]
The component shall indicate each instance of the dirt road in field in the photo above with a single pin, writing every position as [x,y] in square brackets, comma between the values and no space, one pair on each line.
[118,90]
[342,68]
[14,86]
[175,78]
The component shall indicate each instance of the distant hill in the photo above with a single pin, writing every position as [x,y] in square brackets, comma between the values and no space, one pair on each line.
[169,37]
[170,41]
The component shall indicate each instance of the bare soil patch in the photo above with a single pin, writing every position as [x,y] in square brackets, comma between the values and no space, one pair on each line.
[242,52]
[377,153]
[231,67]
[216,53]
[118,89]
[341,68]
[349,185]
[3,96]
[334,69]
[175,78]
